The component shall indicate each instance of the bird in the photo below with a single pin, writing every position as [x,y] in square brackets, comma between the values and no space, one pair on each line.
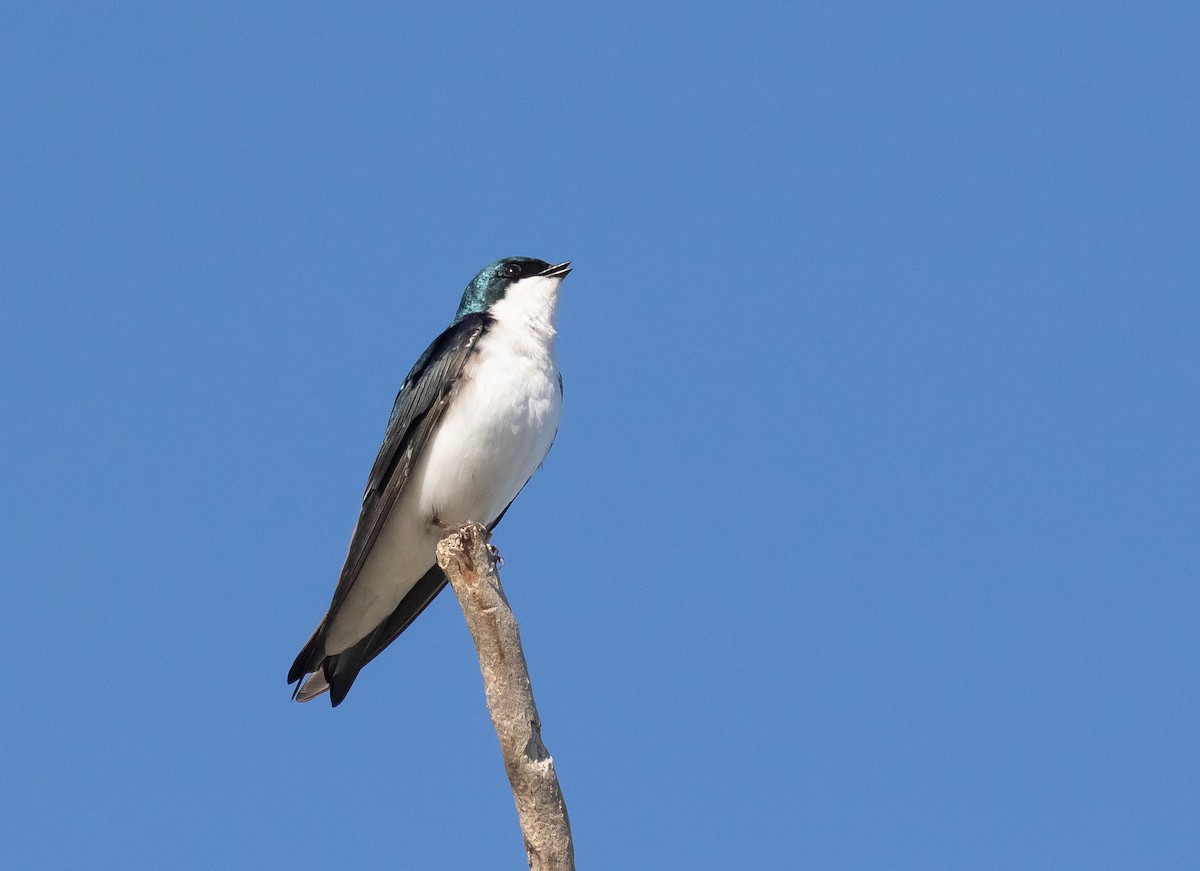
[472,422]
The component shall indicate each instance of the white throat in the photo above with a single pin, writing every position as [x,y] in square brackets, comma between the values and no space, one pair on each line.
[529,304]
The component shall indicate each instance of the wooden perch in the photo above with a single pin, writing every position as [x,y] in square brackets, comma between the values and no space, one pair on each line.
[470,564]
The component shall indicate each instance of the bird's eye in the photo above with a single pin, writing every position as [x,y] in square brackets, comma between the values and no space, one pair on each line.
[512,270]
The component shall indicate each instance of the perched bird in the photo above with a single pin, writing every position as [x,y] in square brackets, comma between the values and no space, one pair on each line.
[472,422]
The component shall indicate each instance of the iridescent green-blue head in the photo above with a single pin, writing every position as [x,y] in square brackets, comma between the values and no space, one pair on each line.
[493,282]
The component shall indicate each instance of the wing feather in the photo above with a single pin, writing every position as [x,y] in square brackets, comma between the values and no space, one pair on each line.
[419,406]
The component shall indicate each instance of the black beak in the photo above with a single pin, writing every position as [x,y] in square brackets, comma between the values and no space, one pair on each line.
[559,271]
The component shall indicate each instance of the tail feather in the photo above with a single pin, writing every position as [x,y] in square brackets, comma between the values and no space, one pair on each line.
[309,658]
[335,674]
[311,688]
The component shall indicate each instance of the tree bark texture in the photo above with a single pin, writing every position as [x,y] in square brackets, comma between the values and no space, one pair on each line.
[470,564]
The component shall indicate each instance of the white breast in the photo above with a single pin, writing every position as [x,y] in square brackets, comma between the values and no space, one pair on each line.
[499,427]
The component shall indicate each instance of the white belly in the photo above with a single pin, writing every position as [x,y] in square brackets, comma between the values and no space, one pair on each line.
[491,439]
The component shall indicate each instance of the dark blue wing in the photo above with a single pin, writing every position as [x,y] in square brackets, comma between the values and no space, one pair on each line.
[419,406]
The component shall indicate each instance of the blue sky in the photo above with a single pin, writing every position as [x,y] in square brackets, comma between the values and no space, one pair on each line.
[869,540]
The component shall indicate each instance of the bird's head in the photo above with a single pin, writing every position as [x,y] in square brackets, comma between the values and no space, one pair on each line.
[510,278]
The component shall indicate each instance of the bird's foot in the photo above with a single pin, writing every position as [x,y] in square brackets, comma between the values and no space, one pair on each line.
[449,529]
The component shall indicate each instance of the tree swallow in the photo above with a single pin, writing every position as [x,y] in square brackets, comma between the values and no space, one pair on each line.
[472,422]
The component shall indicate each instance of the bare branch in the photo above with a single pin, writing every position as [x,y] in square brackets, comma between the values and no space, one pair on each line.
[470,564]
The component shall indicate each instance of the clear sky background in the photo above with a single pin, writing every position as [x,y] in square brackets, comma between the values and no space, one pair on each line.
[869,540]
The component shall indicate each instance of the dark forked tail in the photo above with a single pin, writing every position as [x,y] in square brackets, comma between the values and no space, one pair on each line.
[336,673]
